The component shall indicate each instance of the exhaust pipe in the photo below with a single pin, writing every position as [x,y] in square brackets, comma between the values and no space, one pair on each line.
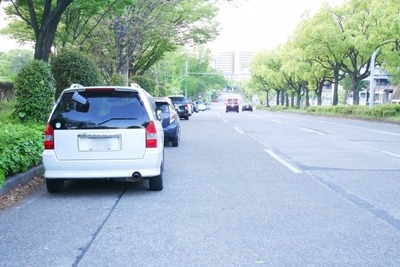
[137,175]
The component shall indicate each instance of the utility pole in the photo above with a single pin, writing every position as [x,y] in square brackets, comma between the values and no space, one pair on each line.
[372,79]
[186,76]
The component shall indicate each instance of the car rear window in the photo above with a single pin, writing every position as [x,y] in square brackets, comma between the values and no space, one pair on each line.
[164,107]
[178,99]
[232,101]
[103,109]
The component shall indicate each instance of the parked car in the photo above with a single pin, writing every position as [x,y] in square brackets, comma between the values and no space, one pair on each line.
[200,105]
[182,106]
[170,120]
[208,106]
[110,132]
[247,107]
[192,106]
[232,104]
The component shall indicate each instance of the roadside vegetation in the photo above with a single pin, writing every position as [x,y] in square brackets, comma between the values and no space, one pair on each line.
[331,53]
[384,112]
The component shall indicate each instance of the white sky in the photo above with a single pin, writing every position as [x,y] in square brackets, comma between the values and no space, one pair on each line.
[254,25]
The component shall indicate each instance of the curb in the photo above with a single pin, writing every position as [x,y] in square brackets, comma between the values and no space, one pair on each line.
[20,178]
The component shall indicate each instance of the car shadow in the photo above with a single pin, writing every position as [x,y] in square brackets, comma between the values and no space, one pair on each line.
[101,187]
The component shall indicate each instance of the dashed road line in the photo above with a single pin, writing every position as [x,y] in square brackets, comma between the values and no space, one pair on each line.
[283,161]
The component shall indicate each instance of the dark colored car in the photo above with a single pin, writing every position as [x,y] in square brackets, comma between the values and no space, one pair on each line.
[170,120]
[182,106]
[247,107]
[232,104]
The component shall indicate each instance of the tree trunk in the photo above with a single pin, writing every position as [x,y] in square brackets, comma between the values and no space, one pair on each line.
[287,99]
[307,97]
[278,93]
[335,97]
[356,96]
[46,30]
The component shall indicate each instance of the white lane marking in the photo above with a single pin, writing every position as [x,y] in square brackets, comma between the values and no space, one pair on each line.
[384,132]
[278,122]
[283,161]
[224,120]
[390,153]
[313,131]
[238,129]
[364,128]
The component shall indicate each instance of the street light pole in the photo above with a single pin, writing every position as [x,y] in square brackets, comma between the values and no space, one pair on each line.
[186,77]
[372,79]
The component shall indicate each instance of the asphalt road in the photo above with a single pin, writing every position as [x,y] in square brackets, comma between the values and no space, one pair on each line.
[242,189]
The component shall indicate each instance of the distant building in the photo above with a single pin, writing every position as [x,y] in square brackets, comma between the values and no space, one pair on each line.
[234,65]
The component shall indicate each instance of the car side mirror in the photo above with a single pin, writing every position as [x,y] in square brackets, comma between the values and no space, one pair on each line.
[159,114]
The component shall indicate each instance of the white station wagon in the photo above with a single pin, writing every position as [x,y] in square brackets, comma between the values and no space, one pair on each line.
[110,132]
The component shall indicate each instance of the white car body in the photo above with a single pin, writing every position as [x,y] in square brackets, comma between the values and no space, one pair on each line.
[114,152]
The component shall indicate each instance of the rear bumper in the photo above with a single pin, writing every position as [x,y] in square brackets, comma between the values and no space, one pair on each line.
[148,166]
[230,108]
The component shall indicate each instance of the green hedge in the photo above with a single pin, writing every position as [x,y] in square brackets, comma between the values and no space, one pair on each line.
[383,111]
[21,148]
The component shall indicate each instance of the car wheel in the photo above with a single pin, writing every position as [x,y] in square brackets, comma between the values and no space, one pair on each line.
[54,185]
[187,117]
[175,142]
[156,182]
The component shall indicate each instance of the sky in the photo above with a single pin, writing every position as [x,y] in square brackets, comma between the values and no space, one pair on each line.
[248,25]
[254,25]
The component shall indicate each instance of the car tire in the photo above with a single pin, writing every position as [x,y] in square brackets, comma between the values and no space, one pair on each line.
[156,182]
[175,142]
[187,117]
[54,185]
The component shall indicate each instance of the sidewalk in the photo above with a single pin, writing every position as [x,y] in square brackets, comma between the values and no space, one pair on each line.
[20,178]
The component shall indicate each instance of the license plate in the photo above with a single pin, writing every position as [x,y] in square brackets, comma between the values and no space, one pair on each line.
[99,142]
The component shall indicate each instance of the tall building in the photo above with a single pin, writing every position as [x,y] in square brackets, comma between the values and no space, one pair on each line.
[234,65]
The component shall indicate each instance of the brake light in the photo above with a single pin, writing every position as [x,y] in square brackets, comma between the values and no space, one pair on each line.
[49,137]
[186,106]
[171,117]
[151,135]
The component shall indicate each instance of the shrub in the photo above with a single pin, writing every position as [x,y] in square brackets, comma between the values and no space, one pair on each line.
[385,111]
[34,92]
[71,67]
[22,147]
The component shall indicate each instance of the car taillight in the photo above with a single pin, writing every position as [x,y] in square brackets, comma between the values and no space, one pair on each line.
[171,117]
[49,137]
[151,135]
[186,106]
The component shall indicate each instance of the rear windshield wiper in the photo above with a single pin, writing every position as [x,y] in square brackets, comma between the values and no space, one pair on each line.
[112,119]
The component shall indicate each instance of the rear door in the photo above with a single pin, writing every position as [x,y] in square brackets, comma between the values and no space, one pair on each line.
[110,126]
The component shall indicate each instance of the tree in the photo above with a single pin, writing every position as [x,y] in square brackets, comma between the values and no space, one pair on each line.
[43,17]
[265,68]
[321,40]
[359,25]
[12,62]
[152,27]
[201,78]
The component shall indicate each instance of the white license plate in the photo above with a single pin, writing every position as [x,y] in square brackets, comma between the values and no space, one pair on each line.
[99,142]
